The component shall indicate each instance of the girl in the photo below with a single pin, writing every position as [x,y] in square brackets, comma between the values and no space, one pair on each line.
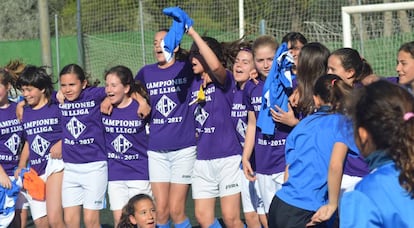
[171,140]
[138,212]
[243,70]
[350,67]
[42,150]
[10,142]
[85,178]
[295,41]
[216,170]
[383,117]
[308,154]
[312,63]
[268,149]
[405,65]
[125,141]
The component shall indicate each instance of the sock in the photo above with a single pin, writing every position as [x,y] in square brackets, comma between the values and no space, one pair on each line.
[216,224]
[185,224]
[166,225]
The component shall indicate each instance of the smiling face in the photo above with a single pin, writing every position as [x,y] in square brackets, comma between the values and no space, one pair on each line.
[34,97]
[243,66]
[71,86]
[115,90]
[405,67]
[145,215]
[335,67]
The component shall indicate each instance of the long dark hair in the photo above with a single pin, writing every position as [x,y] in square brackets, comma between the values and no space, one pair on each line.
[312,63]
[386,110]
[351,59]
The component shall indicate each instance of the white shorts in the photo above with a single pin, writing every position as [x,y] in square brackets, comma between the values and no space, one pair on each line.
[21,202]
[172,166]
[85,184]
[5,220]
[121,191]
[250,195]
[216,178]
[348,183]
[268,186]
[54,166]
[37,208]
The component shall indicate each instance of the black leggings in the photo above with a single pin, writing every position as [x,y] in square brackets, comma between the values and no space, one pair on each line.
[283,215]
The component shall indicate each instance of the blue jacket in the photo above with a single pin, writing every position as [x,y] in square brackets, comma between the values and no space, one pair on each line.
[378,199]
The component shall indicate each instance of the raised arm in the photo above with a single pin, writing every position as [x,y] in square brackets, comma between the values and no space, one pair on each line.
[216,67]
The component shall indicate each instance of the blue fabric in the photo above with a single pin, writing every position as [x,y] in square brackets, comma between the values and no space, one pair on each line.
[216,224]
[308,152]
[378,200]
[181,23]
[185,224]
[276,90]
[166,225]
[6,195]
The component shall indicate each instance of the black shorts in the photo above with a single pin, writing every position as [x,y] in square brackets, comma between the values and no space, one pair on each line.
[283,215]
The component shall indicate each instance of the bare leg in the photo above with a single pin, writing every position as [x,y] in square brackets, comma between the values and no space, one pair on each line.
[204,211]
[54,200]
[72,216]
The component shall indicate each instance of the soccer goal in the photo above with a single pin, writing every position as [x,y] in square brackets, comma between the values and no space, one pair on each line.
[377,31]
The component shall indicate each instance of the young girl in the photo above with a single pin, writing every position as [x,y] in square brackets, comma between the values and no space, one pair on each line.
[171,142]
[405,65]
[42,150]
[139,212]
[10,143]
[352,69]
[310,146]
[383,117]
[125,140]
[268,149]
[86,175]
[348,64]
[216,170]
[243,70]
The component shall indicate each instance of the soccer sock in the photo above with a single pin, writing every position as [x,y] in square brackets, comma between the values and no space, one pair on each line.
[185,224]
[166,225]
[216,224]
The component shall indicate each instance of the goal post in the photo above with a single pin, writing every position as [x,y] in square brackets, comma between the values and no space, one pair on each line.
[348,10]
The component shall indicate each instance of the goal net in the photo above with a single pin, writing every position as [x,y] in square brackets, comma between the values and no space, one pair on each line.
[121,32]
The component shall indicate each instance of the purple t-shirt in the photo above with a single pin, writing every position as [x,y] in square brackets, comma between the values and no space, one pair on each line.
[171,124]
[83,134]
[126,144]
[239,115]
[217,137]
[42,129]
[10,138]
[269,149]
[356,166]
